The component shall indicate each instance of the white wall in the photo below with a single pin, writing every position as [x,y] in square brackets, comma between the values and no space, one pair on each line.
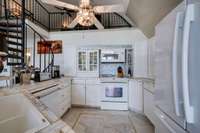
[151,57]
[74,39]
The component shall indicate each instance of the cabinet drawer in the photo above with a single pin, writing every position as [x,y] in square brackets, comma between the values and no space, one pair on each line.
[78,81]
[93,82]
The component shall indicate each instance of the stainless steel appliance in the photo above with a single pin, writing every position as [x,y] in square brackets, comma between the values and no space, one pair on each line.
[113,55]
[114,94]
[177,71]
[56,71]
[42,76]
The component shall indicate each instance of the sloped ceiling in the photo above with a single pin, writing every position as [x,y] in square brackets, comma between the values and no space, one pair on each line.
[147,13]
[144,13]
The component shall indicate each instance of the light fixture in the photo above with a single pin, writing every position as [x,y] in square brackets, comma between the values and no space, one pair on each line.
[65,24]
[86,17]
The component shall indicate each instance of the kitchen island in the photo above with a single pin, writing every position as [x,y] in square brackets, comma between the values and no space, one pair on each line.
[56,125]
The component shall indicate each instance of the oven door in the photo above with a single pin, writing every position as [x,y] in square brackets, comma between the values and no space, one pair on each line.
[114,92]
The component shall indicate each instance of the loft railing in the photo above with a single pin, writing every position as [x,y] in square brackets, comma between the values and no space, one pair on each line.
[12,23]
[55,21]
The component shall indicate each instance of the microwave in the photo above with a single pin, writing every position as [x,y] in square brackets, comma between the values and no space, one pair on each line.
[112,55]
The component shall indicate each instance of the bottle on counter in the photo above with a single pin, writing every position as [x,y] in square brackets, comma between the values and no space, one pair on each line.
[120,73]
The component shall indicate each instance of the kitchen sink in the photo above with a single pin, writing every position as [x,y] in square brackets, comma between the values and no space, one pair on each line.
[18,115]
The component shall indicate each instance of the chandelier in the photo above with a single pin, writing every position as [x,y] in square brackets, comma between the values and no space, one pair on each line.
[86,17]
[86,14]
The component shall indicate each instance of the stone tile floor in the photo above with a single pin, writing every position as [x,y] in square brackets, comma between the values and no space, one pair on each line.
[84,120]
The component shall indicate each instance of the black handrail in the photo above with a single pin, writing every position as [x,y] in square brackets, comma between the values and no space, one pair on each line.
[56,21]
[21,11]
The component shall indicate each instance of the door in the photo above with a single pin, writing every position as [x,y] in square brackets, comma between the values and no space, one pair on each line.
[168,35]
[191,65]
[93,61]
[114,92]
[78,94]
[93,95]
[82,61]
[166,125]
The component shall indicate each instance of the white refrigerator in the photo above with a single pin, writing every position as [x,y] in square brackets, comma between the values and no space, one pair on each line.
[177,95]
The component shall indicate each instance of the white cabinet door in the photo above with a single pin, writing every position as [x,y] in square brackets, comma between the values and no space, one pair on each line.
[93,61]
[93,95]
[140,59]
[149,106]
[82,61]
[87,63]
[136,96]
[78,94]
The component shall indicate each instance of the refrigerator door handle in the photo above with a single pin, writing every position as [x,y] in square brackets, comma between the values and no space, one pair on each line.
[177,41]
[189,18]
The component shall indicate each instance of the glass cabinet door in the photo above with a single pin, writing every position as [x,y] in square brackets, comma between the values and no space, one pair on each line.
[82,61]
[93,61]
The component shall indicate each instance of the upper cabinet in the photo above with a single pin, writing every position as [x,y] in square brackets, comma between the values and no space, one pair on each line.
[140,59]
[82,61]
[87,62]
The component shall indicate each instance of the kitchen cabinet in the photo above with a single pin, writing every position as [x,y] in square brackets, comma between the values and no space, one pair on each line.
[86,92]
[136,95]
[87,63]
[140,59]
[78,94]
[151,57]
[93,88]
[59,100]
[149,105]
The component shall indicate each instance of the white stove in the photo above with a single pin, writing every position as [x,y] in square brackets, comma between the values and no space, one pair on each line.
[114,94]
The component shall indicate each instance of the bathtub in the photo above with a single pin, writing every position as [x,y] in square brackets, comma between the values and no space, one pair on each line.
[18,115]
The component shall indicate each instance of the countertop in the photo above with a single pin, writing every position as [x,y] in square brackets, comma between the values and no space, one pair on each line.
[56,124]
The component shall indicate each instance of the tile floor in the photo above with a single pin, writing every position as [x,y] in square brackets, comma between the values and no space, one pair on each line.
[84,120]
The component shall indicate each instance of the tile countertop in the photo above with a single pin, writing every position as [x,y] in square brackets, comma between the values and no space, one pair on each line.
[56,125]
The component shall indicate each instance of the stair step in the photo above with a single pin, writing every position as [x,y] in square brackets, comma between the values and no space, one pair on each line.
[14,36]
[13,64]
[15,50]
[5,29]
[15,56]
[10,24]
[14,43]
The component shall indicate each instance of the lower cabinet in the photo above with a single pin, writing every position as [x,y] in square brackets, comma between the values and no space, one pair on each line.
[86,92]
[136,95]
[78,94]
[93,95]
[59,101]
[149,106]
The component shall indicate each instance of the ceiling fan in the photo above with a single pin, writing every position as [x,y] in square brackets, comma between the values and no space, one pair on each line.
[86,12]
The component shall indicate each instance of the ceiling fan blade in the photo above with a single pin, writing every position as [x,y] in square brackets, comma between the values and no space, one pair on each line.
[73,23]
[109,9]
[98,24]
[60,4]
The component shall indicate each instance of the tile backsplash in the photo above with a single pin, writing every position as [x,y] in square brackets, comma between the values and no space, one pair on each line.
[111,69]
